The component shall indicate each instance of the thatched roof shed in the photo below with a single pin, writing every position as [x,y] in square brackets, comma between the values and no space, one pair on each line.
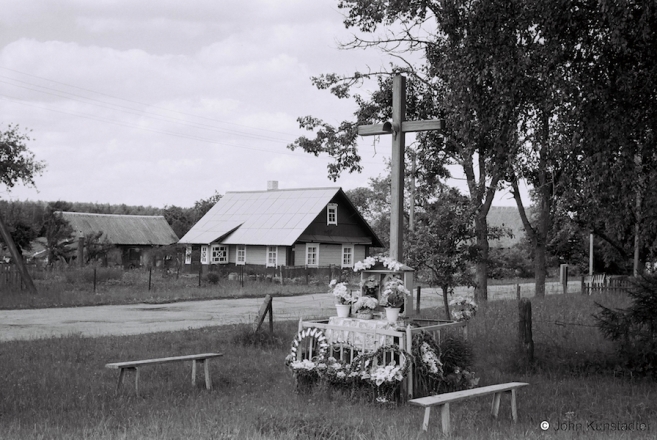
[131,230]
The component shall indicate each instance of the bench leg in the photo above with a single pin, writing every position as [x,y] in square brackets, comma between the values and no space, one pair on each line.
[444,418]
[208,381]
[118,385]
[495,407]
[194,372]
[514,407]
[137,381]
[425,422]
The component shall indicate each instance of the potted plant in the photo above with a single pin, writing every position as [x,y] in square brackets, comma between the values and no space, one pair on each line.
[343,298]
[364,306]
[393,297]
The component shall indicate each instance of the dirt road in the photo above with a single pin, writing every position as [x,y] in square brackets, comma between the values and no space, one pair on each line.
[151,318]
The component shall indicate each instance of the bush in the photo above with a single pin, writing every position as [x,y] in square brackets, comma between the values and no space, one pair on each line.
[634,329]
[212,278]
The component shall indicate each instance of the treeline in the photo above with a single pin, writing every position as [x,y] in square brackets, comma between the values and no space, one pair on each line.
[27,220]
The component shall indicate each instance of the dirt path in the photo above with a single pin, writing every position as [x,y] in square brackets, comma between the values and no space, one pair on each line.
[150,318]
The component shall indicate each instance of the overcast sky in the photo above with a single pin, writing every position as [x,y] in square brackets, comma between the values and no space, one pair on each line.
[163,102]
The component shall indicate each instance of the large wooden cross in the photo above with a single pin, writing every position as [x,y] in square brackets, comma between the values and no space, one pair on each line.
[398,128]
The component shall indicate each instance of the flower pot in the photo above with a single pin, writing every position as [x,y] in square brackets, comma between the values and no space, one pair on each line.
[392,313]
[343,310]
[364,315]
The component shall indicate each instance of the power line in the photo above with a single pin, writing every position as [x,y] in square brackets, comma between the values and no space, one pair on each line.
[142,103]
[133,111]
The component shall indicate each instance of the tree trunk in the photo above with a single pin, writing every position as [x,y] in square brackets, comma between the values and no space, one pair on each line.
[481,284]
[638,215]
[446,302]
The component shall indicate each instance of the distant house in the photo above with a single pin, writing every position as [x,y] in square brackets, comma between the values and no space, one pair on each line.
[133,237]
[290,227]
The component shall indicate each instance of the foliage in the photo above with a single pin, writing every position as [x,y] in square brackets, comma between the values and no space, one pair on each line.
[634,328]
[212,277]
[96,246]
[23,234]
[58,233]
[17,163]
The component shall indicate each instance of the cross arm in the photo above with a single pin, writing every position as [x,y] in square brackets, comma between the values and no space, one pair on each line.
[407,127]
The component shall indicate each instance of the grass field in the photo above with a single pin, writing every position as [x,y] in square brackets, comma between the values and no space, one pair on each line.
[59,388]
[75,287]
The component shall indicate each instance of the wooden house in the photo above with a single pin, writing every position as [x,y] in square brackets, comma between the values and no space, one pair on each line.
[133,237]
[309,227]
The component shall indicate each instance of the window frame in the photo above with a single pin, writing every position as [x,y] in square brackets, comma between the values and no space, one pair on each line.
[267,255]
[222,254]
[316,254]
[205,254]
[351,255]
[332,208]
[188,254]
[240,248]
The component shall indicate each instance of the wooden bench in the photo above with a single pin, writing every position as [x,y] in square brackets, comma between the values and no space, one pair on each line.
[204,358]
[443,400]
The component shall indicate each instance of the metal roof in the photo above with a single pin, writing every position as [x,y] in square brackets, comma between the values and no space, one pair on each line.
[124,229]
[274,217]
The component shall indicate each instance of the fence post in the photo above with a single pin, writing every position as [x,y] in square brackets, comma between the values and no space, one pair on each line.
[419,289]
[583,288]
[518,292]
[563,274]
[525,340]
[150,276]
[200,272]
[94,279]
[241,276]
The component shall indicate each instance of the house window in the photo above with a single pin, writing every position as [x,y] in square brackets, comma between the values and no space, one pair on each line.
[219,254]
[272,256]
[332,214]
[241,254]
[312,254]
[347,256]
[188,255]
[204,254]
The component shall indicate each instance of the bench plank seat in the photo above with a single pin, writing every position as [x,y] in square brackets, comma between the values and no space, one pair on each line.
[135,365]
[443,400]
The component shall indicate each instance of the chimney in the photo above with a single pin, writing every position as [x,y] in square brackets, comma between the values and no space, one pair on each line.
[272,185]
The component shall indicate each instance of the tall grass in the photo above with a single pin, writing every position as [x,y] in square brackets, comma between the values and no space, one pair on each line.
[75,287]
[59,389]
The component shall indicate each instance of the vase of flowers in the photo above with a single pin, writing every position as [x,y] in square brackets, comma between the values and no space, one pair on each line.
[364,306]
[343,298]
[462,309]
[393,297]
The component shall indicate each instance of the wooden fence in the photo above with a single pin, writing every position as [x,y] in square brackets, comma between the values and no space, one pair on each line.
[355,341]
[603,283]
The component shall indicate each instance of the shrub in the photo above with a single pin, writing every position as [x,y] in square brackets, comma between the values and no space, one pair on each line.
[634,329]
[212,278]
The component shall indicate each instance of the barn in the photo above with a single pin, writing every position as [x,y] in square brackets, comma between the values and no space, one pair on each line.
[133,237]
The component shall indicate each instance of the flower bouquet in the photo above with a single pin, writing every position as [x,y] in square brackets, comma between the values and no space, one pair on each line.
[462,309]
[364,306]
[394,292]
[370,286]
[340,292]
[369,262]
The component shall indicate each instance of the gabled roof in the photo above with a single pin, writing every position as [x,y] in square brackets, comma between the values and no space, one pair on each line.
[124,229]
[274,217]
